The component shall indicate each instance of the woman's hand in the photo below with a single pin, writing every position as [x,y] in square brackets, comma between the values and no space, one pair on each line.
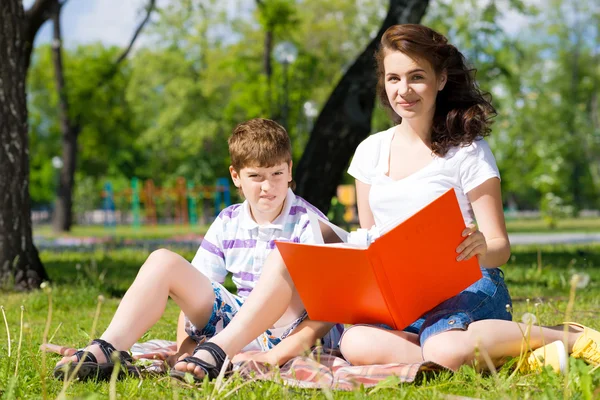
[474,244]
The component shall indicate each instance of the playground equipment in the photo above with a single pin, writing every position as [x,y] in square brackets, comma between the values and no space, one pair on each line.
[185,203]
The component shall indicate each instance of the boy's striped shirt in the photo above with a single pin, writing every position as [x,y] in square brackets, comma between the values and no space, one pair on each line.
[236,243]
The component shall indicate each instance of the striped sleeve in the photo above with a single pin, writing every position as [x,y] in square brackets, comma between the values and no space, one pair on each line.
[210,257]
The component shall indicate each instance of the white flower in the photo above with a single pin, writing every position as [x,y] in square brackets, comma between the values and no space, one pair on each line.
[529,318]
[580,280]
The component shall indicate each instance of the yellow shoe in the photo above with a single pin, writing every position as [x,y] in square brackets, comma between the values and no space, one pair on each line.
[587,346]
[553,354]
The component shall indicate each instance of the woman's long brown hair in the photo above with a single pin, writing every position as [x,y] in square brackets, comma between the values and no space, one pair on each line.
[462,111]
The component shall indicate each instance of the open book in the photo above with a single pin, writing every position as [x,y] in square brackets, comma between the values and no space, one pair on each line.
[403,274]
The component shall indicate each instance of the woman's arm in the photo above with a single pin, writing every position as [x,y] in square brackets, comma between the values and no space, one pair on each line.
[493,249]
[365,215]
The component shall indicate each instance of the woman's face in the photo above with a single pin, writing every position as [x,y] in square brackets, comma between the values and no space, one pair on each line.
[411,85]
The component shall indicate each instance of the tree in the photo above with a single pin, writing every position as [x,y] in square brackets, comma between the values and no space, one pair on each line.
[20,264]
[109,122]
[71,125]
[346,118]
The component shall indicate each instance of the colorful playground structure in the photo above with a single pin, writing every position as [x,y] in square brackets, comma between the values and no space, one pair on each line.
[185,203]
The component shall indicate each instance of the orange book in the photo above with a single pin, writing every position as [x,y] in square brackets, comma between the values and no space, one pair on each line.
[403,274]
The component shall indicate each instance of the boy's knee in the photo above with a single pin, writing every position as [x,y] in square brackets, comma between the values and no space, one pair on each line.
[161,258]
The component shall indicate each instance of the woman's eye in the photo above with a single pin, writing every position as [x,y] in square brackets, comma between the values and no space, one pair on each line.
[417,77]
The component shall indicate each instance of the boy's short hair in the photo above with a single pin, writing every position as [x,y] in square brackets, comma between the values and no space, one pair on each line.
[259,142]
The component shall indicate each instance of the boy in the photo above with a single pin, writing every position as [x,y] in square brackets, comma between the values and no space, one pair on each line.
[238,241]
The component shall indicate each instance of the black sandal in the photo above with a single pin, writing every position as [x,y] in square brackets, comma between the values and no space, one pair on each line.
[210,370]
[89,368]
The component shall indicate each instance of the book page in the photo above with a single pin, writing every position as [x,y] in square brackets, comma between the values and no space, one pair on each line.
[324,231]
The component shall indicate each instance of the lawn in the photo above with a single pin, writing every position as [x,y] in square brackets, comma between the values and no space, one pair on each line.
[78,279]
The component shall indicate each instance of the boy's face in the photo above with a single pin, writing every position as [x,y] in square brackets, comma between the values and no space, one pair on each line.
[264,188]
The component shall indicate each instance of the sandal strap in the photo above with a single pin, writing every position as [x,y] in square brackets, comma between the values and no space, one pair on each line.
[89,357]
[108,349]
[215,351]
[212,371]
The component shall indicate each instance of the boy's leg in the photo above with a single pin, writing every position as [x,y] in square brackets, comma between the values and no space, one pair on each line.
[163,274]
[273,295]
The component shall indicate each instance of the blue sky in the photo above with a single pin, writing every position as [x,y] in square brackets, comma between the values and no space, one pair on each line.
[109,21]
[114,21]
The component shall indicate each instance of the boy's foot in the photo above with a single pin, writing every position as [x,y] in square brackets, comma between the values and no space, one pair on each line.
[95,362]
[208,360]
[553,354]
[587,345]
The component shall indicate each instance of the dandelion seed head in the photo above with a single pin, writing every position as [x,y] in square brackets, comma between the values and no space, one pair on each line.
[100,299]
[44,285]
[580,280]
[77,266]
[529,318]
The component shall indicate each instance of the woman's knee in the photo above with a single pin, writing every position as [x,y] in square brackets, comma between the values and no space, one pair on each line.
[354,345]
[449,351]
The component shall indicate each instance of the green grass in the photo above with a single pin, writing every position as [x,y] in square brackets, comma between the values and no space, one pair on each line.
[124,231]
[79,278]
[562,225]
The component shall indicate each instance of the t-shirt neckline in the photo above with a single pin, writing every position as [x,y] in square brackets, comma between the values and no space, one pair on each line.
[388,155]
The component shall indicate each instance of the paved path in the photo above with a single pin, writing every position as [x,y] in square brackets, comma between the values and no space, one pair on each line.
[90,243]
[554,238]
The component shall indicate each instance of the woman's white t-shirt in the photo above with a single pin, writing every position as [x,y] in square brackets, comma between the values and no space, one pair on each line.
[393,201]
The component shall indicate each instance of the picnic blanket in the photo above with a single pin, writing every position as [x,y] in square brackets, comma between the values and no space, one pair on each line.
[321,369]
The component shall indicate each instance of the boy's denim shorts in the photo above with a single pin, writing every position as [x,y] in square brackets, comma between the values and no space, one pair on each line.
[488,298]
[225,307]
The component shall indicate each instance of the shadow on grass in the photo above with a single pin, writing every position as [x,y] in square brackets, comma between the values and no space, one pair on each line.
[108,272]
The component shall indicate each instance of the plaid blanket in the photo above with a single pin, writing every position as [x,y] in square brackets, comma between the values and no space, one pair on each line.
[322,369]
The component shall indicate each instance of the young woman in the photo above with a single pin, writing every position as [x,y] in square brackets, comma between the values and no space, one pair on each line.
[437,144]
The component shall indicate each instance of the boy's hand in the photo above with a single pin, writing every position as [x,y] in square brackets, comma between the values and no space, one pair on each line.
[474,244]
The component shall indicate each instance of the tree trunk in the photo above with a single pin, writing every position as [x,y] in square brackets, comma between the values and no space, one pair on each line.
[71,126]
[346,118]
[19,260]
[63,216]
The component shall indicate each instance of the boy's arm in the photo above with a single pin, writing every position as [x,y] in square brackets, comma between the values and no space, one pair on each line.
[301,339]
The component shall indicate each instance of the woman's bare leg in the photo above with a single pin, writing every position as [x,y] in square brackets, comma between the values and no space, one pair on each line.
[493,340]
[366,345]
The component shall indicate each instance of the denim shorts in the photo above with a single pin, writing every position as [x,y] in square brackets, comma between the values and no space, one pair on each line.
[488,298]
[225,307]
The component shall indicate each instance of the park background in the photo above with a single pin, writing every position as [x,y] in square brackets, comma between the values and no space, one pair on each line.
[126,93]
